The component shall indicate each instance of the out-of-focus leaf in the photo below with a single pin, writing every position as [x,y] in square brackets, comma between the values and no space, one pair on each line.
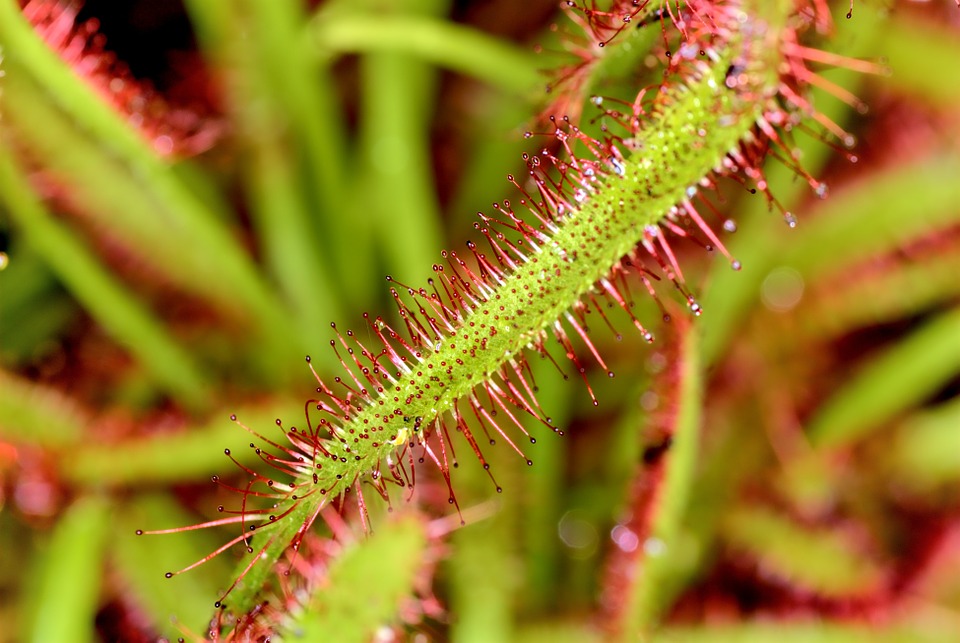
[554,632]
[661,489]
[899,289]
[907,41]
[365,586]
[34,311]
[109,301]
[800,632]
[65,601]
[875,215]
[440,42]
[187,454]
[821,561]
[902,375]
[35,414]
[927,447]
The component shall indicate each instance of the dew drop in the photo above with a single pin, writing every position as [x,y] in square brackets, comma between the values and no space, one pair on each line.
[529,463]
[790,219]
[168,575]
[735,265]
[233,417]
[139,532]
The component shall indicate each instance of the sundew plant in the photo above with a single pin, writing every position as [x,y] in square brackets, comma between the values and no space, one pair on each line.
[623,320]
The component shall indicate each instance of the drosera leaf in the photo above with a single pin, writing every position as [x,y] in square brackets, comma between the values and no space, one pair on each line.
[67,594]
[462,360]
[730,296]
[823,561]
[365,585]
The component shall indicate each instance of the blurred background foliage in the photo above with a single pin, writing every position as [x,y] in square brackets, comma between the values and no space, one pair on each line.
[786,465]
